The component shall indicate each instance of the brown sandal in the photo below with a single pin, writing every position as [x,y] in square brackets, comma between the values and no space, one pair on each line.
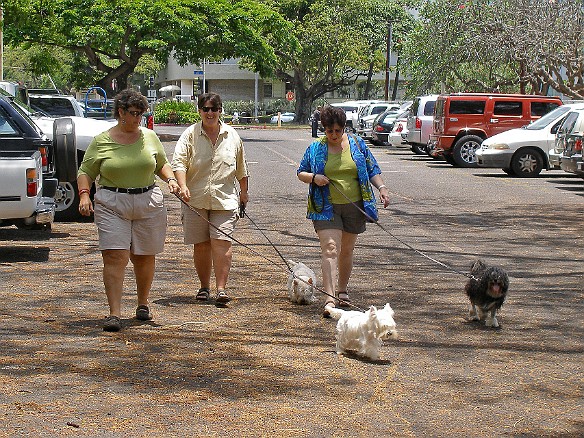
[325,311]
[344,300]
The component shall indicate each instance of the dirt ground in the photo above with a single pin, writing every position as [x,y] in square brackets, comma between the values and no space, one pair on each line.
[265,367]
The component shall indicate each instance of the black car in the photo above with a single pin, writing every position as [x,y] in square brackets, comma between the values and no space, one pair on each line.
[383,125]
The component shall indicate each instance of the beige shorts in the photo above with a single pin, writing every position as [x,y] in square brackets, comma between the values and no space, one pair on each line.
[197,229]
[134,222]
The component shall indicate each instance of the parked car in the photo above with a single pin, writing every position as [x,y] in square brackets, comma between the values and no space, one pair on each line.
[569,140]
[284,118]
[352,108]
[31,165]
[525,151]
[369,114]
[399,133]
[383,126]
[84,129]
[55,105]
[462,121]
[420,122]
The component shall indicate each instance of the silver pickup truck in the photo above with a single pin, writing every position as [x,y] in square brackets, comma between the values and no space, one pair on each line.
[31,166]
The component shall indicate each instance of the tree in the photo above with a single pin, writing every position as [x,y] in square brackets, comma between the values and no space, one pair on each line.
[504,45]
[339,41]
[111,37]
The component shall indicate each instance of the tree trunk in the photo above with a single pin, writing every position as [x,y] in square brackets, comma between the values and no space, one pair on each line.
[367,89]
[395,82]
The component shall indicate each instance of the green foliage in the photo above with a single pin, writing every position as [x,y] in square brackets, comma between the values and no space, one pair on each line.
[38,66]
[338,42]
[180,113]
[508,46]
[113,36]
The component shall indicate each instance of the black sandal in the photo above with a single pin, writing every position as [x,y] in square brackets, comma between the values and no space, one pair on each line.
[344,300]
[203,294]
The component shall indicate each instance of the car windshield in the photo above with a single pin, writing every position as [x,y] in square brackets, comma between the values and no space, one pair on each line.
[548,118]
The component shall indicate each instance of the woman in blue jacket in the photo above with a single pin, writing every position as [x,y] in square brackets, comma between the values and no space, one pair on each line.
[340,170]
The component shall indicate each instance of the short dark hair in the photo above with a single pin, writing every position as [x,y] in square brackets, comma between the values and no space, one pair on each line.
[213,97]
[332,115]
[129,98]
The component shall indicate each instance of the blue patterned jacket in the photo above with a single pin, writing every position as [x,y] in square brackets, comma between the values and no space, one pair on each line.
[314,161]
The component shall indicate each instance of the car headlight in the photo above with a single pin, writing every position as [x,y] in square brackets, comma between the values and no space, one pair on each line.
[498,146]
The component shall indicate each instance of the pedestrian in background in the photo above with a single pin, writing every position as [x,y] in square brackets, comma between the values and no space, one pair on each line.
[129,207]
[315,121]
[208,161]
[344,162]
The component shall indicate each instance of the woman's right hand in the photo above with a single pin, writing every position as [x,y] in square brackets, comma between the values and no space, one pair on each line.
[185,193]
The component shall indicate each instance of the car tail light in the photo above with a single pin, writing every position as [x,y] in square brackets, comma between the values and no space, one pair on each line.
[31,182]
[378,128]
[44,158]
[150,121]
[418,123]
[399,128]
[578,145]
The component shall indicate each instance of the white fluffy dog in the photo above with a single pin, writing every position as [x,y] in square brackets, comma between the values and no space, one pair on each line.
[300,283]
[363,332]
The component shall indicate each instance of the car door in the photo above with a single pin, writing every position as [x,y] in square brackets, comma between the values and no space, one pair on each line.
[506,114]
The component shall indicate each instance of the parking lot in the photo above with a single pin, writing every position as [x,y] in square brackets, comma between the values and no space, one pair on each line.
[266,367]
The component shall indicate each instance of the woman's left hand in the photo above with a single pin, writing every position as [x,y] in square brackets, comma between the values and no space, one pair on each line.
[384,196]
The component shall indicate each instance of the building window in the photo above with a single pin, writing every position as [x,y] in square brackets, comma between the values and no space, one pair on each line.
[267,90]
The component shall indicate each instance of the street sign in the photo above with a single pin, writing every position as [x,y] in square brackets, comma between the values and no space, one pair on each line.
[198,72]
[290,96]
[151,93]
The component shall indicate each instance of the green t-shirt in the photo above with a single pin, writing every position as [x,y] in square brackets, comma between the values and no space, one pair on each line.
[120,165]
[342,171]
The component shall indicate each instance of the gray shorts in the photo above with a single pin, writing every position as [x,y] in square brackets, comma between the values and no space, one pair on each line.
[134,222]
[346,217]
[197,229]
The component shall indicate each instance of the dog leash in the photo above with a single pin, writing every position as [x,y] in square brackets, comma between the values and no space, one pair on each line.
[242,213]
[438,262]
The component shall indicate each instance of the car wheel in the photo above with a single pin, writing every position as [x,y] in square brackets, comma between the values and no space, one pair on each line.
[418,149]
[464,150]
[65,149]
[67,202]
[527,163]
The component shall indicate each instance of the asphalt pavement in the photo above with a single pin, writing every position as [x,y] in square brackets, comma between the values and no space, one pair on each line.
[266,367]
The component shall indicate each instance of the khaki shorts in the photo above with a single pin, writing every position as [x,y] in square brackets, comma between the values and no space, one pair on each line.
[346,217]
[134,222]
[197,229]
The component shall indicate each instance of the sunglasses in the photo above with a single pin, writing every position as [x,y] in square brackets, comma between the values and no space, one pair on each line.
[135,113]
[206,109]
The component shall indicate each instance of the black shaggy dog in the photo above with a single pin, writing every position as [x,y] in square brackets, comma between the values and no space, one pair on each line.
[487,291]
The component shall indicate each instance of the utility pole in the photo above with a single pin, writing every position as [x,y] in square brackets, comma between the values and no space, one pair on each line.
[387,58]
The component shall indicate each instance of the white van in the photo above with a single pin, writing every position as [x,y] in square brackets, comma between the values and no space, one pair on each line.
[420,122]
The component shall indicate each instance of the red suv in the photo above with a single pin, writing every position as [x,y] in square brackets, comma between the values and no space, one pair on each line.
[463,120]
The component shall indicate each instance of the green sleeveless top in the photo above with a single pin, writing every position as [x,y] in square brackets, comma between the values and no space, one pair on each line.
[342,171]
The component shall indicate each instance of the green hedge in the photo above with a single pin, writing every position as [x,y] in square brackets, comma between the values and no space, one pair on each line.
[180,113]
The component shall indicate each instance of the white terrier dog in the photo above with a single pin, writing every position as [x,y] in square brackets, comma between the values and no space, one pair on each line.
[363,332]
[300,283]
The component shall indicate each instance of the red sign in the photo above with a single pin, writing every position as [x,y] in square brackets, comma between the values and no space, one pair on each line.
[290,96]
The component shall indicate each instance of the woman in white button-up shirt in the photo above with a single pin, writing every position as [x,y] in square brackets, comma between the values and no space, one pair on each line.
[208,160]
